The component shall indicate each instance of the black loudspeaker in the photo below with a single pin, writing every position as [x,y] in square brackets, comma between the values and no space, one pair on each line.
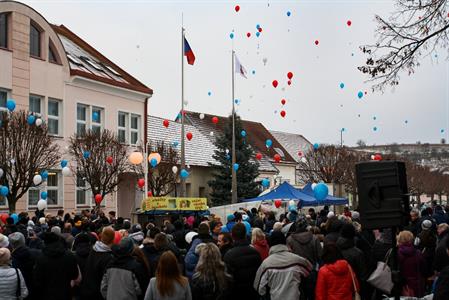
[383,194]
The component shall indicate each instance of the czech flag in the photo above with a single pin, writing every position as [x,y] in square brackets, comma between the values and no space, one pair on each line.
[188,53]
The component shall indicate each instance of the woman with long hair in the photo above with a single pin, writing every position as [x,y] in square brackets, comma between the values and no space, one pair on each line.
[168,284]
[210,280]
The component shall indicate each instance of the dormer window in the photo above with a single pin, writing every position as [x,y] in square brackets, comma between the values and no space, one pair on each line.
[35,41]
[52,53]
[4,30]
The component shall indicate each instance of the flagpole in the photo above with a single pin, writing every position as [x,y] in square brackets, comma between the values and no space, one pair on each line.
[234,173]
[183,159]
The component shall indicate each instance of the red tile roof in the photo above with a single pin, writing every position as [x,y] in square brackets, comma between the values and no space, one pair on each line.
[109,72]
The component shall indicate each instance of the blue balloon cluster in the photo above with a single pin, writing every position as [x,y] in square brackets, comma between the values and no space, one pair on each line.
[4,191]
[320,191]
[265,182]
[184,174]
[360,94]
[153,162]
[44,175]
[268,143]
[236,166]
[243,133]
[44,195]
[86,154]
[31,119]
[11,104]
[64,163]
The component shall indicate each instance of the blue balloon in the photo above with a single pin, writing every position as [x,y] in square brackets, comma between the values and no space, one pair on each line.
[31,119]
[265,182]
[64,163]
[228,157]
[257,26]
[4,191]
[442,130]
[292,207]
[86,154]
[406,121]
[15,217]
[236,167]
[231,35]
[175,144]
[258,34]
[153,162]
[44,195]
[243,133]
[95,116]
[342,85]
[184,174]
[343,129]
[268,143]
[375,128]
[374,118]
[11,104]
[360,94]
[316,146]
[44,175]
[209,93]
[254,72]
[288,14]
[320,191]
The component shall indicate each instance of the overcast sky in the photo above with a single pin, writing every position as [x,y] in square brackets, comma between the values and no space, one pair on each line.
[144,38]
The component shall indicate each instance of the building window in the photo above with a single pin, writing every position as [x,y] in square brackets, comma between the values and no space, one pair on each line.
[52,57]
[97,119]
[35,41]
[33,196]
[54,190]
[3,99]
[135,126]
[122,127]
[3,30]
[82,192]
[35,104]
[81,119]
[54,112]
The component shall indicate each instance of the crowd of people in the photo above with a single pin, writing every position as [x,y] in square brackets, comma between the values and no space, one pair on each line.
[249,255]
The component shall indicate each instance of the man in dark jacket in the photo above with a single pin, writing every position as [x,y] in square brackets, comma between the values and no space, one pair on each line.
[97,261]
[415,222]
[23,258]
[242,263]
[54,269]
[439,216]
[441,257]
[442,284]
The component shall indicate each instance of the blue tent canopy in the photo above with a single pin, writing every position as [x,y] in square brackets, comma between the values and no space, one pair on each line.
[330,200]
[285,192]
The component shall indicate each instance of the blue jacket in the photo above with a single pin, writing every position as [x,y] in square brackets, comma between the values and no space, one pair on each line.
[191,259]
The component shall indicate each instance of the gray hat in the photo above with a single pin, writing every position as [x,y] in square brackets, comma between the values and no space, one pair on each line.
[4,242]
[426,225]
[124,248]
[16,239]
[56,229]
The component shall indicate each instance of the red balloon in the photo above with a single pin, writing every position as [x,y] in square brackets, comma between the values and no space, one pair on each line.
[166,123]
[215,120]
[289,82]
[299,153]
[260,29]
[141,182]
[3,217]
[277,158]
[98,198]
[290,75]
[248,34]
[109,159]
[349,22]
[275,83]
[378,157]
[258,156]
[317,42]
[189,135]
[150,194]
[283,113]
[237,8]
[277,203]
[283,101]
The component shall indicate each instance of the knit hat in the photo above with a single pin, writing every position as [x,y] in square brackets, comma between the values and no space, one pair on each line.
[426,225]
[348,231]
[136,228]
[124,248]
[245,217]
[30,223]
[230,217]
[56,229]
[5,256]
[277,238]
[330,214]
[42,221]
[189,236]
[3,241]
[355,215]
[277,226]
[16,239]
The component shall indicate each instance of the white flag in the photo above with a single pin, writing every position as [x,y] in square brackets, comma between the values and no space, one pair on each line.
[239,68]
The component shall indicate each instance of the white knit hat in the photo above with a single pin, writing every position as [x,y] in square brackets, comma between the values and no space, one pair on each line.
[189,236]
[4,242]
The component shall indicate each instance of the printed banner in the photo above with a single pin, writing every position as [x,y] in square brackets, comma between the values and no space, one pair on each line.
[165,203]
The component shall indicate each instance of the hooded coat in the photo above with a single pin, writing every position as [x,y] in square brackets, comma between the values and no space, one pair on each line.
[354,256]
[335,282]
[54,270]
[191,259]
[307,245]
[412,267]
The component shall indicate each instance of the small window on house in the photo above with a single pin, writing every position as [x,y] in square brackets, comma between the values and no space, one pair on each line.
[35,104]
[135,132]
[122,127]
[92,63]
[3,99]
[113,71]
[82,192]
[74,59]
[52,57]
[54,188]
[81,119]
[54,112]
[280,152]
[4,30]
[35,41]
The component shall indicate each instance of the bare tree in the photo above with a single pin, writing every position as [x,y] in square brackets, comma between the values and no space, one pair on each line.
[349,179]
[412,32]
[91,153]
[25,150]
[361,143]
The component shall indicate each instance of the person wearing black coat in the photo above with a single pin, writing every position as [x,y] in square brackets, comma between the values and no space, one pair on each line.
[54,269]
[441,259]
[179,234]
[442,284]
[97,261]
[242,263]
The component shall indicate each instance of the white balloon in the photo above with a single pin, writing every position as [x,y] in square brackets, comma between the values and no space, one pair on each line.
[201,116]
[1,172]
[38,122]
[41,204]
[291,202]
[174,169]
[211,133]
[227,151]
[313,185]
[37,179]
[66,171]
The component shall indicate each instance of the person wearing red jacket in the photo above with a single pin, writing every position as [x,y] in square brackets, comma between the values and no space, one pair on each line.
[334,277]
